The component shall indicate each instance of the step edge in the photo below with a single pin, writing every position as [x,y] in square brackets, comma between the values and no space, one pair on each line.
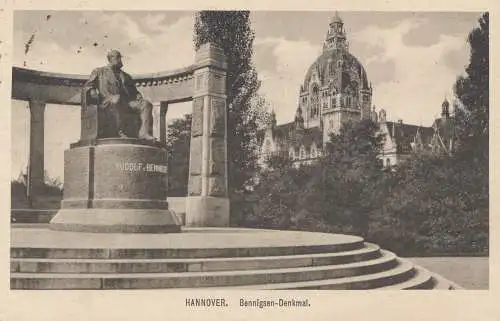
[362,251]
[378,261]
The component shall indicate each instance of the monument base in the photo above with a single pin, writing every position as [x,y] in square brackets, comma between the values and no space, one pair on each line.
[115,221]
[207,211]
[115,185]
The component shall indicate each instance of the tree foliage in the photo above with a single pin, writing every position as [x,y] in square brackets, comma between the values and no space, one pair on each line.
[429,205]
[439,204]
[472,91]
[178,142]
[47,196]
[335,194]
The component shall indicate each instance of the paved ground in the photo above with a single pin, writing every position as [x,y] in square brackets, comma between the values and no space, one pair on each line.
[472,273]
[189,238]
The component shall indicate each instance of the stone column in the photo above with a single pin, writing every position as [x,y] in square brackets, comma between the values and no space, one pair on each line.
[156,119]
[208,203]
[36,169]
[163,121]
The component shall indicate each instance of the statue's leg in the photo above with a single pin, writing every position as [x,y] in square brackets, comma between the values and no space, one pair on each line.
[145,109]
[117,113]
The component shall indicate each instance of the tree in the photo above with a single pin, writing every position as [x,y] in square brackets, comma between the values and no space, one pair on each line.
[338,193]
[275,197]
[231,30]
[278,161]
[48,195]
[472,91]
[178,139]
[439,205]
[351,178]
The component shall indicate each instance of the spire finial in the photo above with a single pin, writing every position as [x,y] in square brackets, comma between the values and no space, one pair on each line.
[336,18]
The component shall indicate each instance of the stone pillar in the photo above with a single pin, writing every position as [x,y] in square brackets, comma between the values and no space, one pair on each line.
[156,119]
[163,121]
[208,202]
[36,168]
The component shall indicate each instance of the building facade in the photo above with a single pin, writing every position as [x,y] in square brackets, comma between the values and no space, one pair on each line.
[336,89]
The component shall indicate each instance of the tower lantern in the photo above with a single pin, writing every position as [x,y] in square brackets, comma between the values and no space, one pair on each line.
[336,37]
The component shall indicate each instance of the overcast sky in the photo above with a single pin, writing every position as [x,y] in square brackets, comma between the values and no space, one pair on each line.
[412,59]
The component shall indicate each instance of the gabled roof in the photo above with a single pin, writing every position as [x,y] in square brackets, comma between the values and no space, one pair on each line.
[406,133]
[286,136]
[306,138]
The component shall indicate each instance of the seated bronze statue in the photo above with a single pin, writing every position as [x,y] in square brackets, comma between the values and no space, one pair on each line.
[112,106]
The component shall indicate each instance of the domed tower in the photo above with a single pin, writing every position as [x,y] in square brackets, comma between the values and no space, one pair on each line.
[335,87]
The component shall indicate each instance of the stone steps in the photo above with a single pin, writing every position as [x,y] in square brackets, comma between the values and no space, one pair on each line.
[199,279]
[421,280]
[157,253]
[36,265]
[439,283]
[209,258]
[400,273]
[32,216]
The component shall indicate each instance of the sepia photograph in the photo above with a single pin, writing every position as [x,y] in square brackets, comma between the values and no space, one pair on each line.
[250,150]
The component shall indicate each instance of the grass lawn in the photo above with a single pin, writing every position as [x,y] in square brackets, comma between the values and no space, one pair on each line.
[471,273]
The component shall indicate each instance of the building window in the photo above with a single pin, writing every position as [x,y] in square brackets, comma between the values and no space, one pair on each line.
[315,102]
[291,153]
[302,153]
[380,163]
[348,101]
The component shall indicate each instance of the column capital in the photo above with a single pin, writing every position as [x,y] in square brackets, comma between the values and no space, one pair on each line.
[36,106]
[210,55]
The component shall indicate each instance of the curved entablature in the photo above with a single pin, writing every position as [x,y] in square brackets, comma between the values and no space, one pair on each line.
[55,88]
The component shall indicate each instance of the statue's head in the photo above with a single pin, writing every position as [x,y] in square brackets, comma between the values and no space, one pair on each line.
[115,58]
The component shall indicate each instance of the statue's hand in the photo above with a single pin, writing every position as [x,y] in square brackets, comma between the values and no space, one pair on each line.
[94,94]
[110,100]
[114,99]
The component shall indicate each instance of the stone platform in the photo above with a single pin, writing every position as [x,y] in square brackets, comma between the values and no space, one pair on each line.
[208,257]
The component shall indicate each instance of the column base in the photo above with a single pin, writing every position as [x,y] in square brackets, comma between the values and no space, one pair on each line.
[207,211]
[115,221]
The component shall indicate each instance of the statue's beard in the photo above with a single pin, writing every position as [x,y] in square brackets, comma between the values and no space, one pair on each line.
[117,65]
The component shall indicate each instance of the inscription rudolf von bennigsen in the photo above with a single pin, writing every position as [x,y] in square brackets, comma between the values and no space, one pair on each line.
[142,167]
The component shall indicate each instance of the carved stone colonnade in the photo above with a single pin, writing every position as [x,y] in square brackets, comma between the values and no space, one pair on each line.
[203,83]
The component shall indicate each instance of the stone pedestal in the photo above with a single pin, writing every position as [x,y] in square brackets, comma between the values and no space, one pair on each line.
[115,185]
[208,203]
